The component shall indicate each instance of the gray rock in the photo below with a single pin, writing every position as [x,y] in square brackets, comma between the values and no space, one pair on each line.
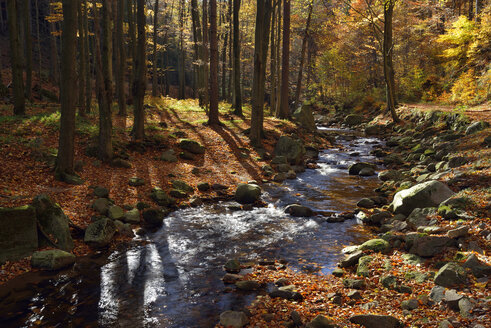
[427,194]
[365,203]
[374,129]
[353,119]
[388,281]
[297,319]
[232,266]
[476,127]
[182,186]
[356,168]
[321,321]
[53,222]
[412,259]
[278,160]
[437,294]
[366,172]
[115,213]
[479,269]
[299,210]
[292,149]
[247,193]
[169,156]
[377,218]
[284,167]
[305,118]
[248,285]
[376,245]
[338,272]
[286,292]
[230,278]
[456,161]
[452,299]
[18,233]
[100,233]
[450,275]
[420,217]
[203,186]
[101,205]
[233,319]
[458,232]
[132,216]
[101,192]
[376,321]
[354,283]
[161,198]
[136,182]
[410,305]
[122,163]
[351,259]
[54,259]
[191,146]
[428,246]
[363,262]
[153,217]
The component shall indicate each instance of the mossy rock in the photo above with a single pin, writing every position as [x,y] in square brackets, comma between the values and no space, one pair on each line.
[363,264]
[376,245]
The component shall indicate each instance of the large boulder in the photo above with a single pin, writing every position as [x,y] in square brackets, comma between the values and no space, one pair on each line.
[428,246]
[247,193]
[18,233]
[376,245]
[299,210]
[191,146]
[161,198]
[234,319]
[292,149]
[353,119]
[420,217]
[376,321]
[356,168]
[427,194]
[132,216]
[479,269]
[100,233]
[153,217]
[54,259]
[305,118]
[53,222]
[476,127]
[451,275]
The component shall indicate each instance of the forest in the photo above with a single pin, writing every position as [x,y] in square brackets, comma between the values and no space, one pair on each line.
[242,163]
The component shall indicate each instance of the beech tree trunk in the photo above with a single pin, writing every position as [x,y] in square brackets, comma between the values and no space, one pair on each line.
[285,63]
[155,35]
[81,60]
[38,34]
[88,75]
[278,59]
[54,68]
[237,92]
[213,113]
[261,42]
[64,162]
[120,59]
[388,51]
[26,14]
[302,56]
[139,82]
[182,55]
[206,74]
[199,51]
[272,60]
[16,59]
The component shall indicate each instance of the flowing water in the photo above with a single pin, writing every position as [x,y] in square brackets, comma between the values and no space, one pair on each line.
[173,280]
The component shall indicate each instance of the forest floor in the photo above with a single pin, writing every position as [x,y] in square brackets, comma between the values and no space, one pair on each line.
[327,295]
[28,147]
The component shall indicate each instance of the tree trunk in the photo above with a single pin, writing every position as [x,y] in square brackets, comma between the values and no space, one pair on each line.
[132,33]
[261,42]
[199,51]
[64,162]
[16,59]
[213,114]
[230,57]
[272,61]
[182,56]
[237,94]
[155,35]
[81,61]
[278,60]
[302,56]
[206,55]
[38,34]
[26,14]
[139,83]
[224,61]
[88,75]
[54,71]
[285,62]
[388,50]
[120,59]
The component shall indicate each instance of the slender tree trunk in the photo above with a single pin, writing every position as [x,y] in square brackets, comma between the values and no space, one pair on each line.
[285,70]
[237,94]
[273,59]
[388,50]
[132,33]
[64,163]
[16,59]
[182,56]
[26,14]
[213,114]
[139,83]
[155,35]
[54,71]
[261,42]
[87,73]
[38,34]
[120,59]
[206,74]
[302,56]
[278,59]
[81,60]
[230,57]
[224,62]
[199,51]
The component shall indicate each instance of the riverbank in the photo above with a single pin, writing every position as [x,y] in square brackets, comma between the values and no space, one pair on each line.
[425,268]
[210,174]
